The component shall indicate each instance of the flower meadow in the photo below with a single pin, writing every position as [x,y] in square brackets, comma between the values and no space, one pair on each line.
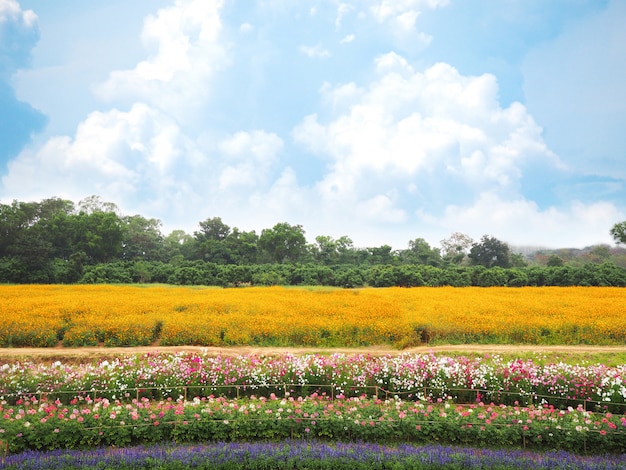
[112,315]
[298,454]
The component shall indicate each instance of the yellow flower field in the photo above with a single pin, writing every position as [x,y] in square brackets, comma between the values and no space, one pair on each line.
[133,315]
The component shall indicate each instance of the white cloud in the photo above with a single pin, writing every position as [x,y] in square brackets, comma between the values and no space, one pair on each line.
[113,153]
[381,208]
[521,222]
[315,52]
[246,28]
[408,152]
[186,53]
[249,157]
[407,122]
[10,10]
[347,39]
[343,9]
[400,17]
[392,142]
[18,35]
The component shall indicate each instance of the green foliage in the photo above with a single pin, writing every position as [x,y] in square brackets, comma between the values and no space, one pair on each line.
[283,243]
[52,241]
[490,252]
[618,232]
[87,424]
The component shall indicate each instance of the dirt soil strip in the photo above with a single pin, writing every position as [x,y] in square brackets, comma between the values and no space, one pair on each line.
[97,352]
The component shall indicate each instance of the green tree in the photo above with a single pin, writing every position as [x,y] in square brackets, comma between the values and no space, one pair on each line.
[94,203]
[283,243]
[242,246]
[142,239]
[210,240]
[382,255]
[490,252]
[178,244]
[100,235]
[555,260]
[420,252]
[618,232]
[328,251]
[212,229]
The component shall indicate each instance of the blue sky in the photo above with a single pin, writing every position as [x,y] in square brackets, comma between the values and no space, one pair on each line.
[383,120]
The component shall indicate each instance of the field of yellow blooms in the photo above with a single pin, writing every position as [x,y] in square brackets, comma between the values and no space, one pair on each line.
[79,315]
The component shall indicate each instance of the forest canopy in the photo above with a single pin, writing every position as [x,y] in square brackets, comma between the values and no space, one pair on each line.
[58,241]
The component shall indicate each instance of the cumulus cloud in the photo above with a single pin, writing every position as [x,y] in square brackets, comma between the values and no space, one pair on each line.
[186,53]
[406,152]
[113,153]
[148,158]
[435,147]
[141,159]
[407,122]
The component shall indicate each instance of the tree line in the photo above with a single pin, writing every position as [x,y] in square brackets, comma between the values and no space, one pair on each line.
[58,241]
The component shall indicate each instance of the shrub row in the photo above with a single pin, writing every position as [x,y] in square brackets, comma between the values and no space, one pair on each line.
[408,275]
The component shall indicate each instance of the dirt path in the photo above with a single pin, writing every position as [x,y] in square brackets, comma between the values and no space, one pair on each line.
[7,354]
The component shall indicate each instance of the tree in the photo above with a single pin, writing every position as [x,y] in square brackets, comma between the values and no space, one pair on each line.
[325,250]
[456,248]
[382,255]
[94,203]
[490,252]
[517,260]
[420,252]
[142,238]
[554,261]
[210,241]
[329,251]
[178,244]
[242,246]
[212,229]
[283,243]
[618,232]
[100,235]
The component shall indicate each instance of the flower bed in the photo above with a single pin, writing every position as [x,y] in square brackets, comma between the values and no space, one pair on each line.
[410,376]
[290,455]
[86,423]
